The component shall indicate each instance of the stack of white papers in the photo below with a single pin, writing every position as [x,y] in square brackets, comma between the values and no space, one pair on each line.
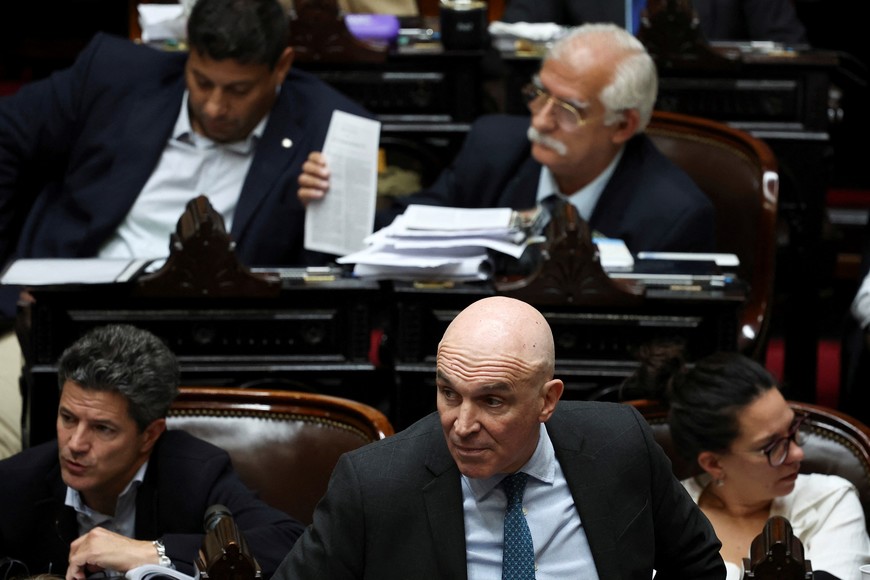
[439,243]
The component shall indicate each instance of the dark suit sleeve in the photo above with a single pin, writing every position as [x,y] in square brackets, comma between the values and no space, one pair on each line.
[686,546]
[332,547]
[693,230]
[37,125]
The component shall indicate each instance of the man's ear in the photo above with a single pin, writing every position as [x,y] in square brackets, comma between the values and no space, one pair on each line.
[626,127]
[151,433]
[552,392]
[283,66]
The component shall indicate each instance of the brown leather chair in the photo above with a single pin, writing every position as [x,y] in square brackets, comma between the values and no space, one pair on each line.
[835,443]
[739,174]
[283,444]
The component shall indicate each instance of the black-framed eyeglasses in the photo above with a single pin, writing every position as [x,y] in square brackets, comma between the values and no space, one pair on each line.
[777,451]
[569,116]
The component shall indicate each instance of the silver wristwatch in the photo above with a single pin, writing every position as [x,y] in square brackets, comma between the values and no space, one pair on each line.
[161,553]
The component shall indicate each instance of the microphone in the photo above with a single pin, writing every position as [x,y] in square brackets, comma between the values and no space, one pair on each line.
[224,553]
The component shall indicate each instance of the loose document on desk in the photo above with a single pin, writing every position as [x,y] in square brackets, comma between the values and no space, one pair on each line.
[340,222]
[55,271]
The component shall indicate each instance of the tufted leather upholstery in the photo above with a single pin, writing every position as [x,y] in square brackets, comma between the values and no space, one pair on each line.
[284,444]
[738,172]
[835,443]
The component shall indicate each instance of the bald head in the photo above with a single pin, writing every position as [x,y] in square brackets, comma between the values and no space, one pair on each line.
[495,385]
[504,329]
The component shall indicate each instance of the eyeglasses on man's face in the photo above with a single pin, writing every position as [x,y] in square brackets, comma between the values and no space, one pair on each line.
[569,116]
[777,451]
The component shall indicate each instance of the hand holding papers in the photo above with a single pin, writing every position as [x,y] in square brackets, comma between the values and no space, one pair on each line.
[439,243]
[339,223]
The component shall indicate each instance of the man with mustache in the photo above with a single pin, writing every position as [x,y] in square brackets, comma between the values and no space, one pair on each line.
[593,494]
[116,490]
[590,103]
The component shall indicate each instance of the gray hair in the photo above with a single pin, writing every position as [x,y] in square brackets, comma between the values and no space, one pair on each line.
[635,80]
[127,360]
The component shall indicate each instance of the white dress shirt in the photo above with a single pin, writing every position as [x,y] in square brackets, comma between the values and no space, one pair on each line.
[825,513]
[191,164]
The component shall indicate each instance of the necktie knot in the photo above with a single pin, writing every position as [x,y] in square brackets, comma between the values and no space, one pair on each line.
[514,487]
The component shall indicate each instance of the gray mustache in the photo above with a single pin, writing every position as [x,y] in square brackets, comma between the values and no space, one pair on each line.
[535,136]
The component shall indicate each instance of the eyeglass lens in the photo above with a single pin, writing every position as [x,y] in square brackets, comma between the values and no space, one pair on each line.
[777,453]
[566,114]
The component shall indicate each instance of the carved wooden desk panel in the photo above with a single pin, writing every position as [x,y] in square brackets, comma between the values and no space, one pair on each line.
[315,336]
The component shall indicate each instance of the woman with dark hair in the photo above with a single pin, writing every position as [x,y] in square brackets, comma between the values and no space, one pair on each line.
[727,414]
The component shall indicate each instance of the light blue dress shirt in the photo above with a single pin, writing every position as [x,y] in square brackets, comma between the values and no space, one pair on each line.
[561,547]
[584,199]
[124,520]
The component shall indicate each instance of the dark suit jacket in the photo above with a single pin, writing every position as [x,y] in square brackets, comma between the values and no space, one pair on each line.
[649,202]
[185,476]
[719,19]
[76,149]
[394,508]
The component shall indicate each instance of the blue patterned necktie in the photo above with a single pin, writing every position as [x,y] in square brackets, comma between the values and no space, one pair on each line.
[518,560]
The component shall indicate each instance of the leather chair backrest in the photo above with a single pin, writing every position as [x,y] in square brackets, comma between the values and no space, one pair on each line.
[738,172]
[283,444]
[834,444]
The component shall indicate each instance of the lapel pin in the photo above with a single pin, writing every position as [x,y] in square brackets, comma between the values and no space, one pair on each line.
[286,143]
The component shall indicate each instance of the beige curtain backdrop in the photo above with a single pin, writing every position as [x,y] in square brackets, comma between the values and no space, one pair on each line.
[10,395]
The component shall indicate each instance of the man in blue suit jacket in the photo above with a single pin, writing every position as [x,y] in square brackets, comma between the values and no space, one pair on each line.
[82,149]
[600,498]
[590,103]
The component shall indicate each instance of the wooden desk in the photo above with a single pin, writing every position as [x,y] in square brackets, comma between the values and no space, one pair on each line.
[311,336]
[595,346]
[363,340]
[358,339]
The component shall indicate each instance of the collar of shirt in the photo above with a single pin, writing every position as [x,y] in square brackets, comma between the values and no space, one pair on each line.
[541,466]
[125,508]
[183,132]
[583,199]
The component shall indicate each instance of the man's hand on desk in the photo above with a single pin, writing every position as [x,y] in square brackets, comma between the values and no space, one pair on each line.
[101,549]
[314,179]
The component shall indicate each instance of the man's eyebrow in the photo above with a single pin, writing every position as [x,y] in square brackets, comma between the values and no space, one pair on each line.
[497,387]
